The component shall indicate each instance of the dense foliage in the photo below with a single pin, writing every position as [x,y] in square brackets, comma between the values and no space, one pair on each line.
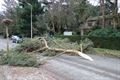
[106,42]
[55,18]
[35,44]
[29,45]
[25,14]
[98,41]
[19,59]
[105,32]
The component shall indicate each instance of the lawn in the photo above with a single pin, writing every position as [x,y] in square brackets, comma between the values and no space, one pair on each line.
[107,52]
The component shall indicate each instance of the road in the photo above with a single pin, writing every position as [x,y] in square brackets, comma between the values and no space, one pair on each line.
[67,67]
[76,68]
[3,44]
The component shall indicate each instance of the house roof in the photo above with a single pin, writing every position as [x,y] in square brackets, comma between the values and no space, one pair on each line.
[100,17]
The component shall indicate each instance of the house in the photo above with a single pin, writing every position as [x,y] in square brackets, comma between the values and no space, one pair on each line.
[97,21]
[92,22]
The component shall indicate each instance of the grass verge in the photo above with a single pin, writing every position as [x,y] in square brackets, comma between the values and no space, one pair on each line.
[107,52]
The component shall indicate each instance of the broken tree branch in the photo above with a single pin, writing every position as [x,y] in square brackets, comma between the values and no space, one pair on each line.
[63,50]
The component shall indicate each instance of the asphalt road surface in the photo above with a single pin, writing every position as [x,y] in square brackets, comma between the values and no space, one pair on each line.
[76,68]
[3,44]
[66,68]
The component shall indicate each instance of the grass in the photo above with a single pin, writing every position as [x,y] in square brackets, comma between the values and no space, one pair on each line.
[107,52]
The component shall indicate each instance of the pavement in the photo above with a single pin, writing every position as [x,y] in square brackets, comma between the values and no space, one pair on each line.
[76,68]
[66,67]
[3,44]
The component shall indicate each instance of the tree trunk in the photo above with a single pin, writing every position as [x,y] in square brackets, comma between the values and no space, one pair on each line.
[115,11]
[63,50]
[7,36]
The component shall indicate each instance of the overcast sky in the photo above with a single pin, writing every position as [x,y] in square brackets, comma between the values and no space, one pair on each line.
[1,2]
[95,2]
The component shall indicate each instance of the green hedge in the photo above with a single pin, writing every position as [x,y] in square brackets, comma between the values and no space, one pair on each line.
[105,32]
[99,42]
[72,38]
[106,42]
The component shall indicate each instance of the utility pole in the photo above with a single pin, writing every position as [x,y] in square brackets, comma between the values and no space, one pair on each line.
[31,24]
[102,12]
[31,31]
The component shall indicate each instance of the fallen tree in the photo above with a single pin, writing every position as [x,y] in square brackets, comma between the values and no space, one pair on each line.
[46,47]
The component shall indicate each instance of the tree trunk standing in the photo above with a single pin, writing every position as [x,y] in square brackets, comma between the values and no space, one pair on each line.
[118,20]
[53,26]
[59,28]
[102,9]
[81,47]
[114,22]
[82,32]
[7,36]
[115,11]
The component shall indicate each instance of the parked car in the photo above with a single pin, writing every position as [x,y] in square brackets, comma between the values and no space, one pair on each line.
[16,39]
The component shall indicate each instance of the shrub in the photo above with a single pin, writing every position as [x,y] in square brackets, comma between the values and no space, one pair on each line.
[29,45]
[19,59]
[87,44]
[105,32]
[106,42]
[72,38]
[108,38]
[109,42]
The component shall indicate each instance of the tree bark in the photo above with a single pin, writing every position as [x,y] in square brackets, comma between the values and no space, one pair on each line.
[7,36]
[115,11]
[63,50]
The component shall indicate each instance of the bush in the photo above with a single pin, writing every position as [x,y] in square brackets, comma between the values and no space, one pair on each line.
[19,59]
[99,41]
[106,42]
[108,38]
[105,32]
[87,45]
[72,38]
[29,45]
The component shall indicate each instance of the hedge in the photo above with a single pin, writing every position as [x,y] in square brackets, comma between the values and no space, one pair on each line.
[106,42]
[99,42]
[72,38]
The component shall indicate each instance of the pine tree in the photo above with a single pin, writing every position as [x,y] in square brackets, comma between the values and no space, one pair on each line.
[26,12]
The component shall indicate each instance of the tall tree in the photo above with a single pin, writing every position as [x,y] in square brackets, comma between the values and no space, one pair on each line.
[1,26]
[10,12]
[10,6]
[25,14]
[68,16]
[113,7]
[115,11]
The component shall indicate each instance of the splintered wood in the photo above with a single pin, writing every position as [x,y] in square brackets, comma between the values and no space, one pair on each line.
[46,47]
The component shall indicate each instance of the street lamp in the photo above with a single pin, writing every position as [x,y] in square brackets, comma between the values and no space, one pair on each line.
[31,20]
